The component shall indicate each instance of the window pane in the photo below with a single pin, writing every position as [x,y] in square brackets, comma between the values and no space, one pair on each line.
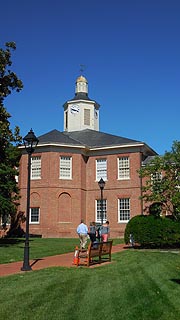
[98,210]
[101,169]
[156,177]
[65,167]
[34,215]
[156,181]
[35,167]
[87,117]
[123,168]
[124,209]
[5,220]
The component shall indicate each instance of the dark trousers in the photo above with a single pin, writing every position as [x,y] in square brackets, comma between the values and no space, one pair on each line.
[92,237]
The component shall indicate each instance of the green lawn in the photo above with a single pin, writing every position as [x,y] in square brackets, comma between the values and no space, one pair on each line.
[13,249]
[138,285]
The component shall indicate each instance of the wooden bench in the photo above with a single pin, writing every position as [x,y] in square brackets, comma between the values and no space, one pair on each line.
[99,250]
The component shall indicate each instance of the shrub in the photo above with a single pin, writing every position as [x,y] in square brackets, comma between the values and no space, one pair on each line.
[155,209]
[153,232]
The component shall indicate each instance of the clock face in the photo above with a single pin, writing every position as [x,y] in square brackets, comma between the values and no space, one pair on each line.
[74,109]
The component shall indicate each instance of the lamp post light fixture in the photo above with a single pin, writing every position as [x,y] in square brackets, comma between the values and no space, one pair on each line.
[101,184]
[30,143]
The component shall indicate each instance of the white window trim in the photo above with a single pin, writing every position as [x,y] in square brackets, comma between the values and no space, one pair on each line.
[98,177]
[124,178]
[70,171]
[99,220]
[8,222]
[38,166]
[124,221]
[156,177]
[34,222]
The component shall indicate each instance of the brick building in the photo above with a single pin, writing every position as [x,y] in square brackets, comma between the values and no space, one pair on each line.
[66,167]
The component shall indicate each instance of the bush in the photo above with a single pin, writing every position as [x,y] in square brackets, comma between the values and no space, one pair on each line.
[153,232]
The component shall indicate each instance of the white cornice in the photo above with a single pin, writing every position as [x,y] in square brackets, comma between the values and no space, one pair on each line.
[117,146]
[57,145]
[89,149]
[81,100]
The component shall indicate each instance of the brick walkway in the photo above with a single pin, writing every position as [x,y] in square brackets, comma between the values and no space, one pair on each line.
[63,260]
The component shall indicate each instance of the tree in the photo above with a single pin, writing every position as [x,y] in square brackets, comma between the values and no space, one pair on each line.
[162,180]
[9,140]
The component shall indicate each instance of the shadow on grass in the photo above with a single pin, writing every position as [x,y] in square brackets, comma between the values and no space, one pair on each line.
[6,242]
[155,246]
[176,280]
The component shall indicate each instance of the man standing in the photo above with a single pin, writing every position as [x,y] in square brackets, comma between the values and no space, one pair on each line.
[82,231]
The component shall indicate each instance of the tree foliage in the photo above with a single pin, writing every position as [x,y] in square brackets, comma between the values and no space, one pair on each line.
[166,188]
[9,140]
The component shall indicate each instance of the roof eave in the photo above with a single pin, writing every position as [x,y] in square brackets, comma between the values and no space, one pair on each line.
[117,146]
[81,100]
[57,145]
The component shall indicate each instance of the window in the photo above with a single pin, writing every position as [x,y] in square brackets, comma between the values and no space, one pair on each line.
[124,209]
[36,168]
[65,167]
[156,177]
[87,117]
[123,168]
[5,219]
[66,120]
[98,210]
[34,215]
[101,169]
[17,176]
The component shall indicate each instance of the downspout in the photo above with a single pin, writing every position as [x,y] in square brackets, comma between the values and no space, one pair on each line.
[141,184]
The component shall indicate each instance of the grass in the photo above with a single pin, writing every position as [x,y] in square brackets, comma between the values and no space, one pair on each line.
[139,284]
[12,250]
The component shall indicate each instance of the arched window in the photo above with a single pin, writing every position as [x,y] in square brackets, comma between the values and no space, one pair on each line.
[64,208]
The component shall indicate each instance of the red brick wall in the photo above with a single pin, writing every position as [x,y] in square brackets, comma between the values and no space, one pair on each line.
[113,190]
[64,202]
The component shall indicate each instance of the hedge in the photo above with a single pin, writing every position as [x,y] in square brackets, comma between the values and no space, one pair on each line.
[151,231]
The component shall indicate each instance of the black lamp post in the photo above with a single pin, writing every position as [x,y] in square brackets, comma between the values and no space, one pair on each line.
[30,143]
[101,184]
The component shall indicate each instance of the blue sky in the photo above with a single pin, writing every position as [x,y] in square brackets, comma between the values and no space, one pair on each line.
[131,53]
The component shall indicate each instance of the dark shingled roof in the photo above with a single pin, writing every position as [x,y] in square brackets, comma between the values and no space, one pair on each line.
[58,137]
[88,138]
[92,138]
[81,96]
[148,160]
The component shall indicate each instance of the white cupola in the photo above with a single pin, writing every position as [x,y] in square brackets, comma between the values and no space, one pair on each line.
[81,85]
[81,112]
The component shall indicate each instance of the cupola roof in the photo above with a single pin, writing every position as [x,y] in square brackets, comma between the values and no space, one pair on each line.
[81,79]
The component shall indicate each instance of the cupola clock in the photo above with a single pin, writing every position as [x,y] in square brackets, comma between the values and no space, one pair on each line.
[74,109]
